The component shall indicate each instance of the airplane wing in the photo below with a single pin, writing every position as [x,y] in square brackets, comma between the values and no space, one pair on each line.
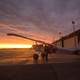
[75,51]
[51,48]
[17,35]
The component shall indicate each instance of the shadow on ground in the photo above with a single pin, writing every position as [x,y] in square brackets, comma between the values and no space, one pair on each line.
[57,71]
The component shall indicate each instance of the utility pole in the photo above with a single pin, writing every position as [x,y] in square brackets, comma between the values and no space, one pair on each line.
[73,23]
[61,38]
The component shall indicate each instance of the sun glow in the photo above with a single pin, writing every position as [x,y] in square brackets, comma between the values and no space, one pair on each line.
[15,46]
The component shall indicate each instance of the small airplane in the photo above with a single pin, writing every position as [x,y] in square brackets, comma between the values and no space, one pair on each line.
[50,47]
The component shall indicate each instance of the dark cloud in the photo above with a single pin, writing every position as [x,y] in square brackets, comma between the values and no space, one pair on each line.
[46,17]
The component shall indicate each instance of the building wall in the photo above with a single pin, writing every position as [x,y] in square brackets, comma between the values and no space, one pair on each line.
[78,40]
[59,44]
[70,42]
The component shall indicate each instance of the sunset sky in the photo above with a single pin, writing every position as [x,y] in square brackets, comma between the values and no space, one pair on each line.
[38,19]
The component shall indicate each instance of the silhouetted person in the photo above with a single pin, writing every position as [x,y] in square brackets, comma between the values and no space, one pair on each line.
[35,58]
[42,58]
[46,53]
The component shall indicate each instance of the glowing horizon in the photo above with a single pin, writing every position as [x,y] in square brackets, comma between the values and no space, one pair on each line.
[15,46]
